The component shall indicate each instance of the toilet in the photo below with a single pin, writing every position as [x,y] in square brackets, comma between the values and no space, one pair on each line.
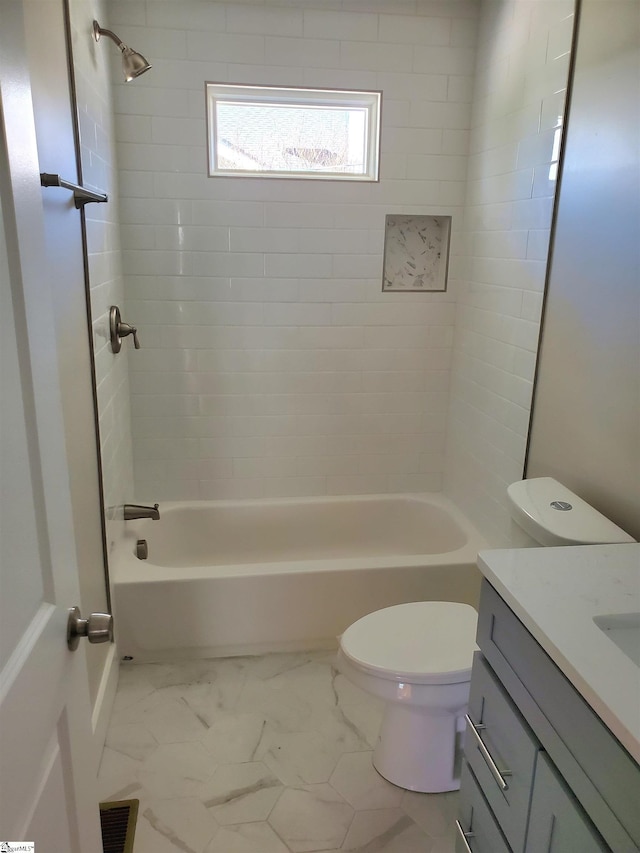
[417,657]
[544,512]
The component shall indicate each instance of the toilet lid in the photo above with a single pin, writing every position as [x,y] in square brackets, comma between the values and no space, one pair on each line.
[425,642]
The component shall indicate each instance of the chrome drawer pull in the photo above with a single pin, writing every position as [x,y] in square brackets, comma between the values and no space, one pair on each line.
[464,835]
[498,775]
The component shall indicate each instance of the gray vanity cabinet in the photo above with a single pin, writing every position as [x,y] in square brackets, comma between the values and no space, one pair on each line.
[477,825]
[541,772]
[556,822]
[501,751]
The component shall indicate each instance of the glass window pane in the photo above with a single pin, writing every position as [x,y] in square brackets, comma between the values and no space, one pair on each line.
[270,137]
[293,132]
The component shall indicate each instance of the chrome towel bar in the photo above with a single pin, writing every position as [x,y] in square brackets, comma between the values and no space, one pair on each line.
[81,196]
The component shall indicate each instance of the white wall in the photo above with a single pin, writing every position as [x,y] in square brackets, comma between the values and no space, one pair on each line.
[271,363]
[589,374]
[521,75]
[93,91]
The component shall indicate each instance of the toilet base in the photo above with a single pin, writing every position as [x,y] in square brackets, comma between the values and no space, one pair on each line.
[417,749]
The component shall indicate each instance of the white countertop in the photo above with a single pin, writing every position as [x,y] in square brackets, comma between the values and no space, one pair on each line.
[556,592]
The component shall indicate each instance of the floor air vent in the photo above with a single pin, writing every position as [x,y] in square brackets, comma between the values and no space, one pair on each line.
[118,822]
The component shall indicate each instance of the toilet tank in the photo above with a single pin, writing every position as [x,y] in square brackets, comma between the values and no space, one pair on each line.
[551,514]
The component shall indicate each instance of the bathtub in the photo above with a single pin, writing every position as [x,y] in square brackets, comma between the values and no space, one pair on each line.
[247,577]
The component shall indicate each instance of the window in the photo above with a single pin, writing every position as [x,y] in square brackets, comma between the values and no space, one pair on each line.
[293,133]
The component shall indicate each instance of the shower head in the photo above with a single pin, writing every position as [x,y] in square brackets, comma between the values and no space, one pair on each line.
[133,64]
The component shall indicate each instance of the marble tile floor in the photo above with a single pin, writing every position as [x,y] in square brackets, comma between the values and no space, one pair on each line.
[268,754]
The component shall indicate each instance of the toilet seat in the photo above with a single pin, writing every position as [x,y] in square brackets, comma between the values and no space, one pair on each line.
[424,642]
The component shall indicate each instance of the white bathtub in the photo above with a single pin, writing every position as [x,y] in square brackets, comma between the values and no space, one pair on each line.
[244,577]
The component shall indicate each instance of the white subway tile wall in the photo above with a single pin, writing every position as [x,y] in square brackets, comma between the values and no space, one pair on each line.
[271,364]
[93,92]
[520,88]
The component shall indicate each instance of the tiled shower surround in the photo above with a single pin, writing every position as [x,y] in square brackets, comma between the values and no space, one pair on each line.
[93,94]
[272,364]
[519,98]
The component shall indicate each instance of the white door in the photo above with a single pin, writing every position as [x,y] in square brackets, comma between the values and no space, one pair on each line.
[47,794]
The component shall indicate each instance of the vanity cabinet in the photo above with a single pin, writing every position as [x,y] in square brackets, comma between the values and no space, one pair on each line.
[477,828]
[541,772]
[556,822]
[501,752]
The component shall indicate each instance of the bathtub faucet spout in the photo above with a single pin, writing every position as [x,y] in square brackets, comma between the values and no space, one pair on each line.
[132,511]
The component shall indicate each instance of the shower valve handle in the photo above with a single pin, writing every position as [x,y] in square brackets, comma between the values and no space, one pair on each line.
[125,329]
[119,330]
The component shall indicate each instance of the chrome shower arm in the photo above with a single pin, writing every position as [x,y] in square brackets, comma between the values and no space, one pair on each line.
[101,31]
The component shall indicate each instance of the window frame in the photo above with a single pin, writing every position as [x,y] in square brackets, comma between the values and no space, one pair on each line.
[369,100]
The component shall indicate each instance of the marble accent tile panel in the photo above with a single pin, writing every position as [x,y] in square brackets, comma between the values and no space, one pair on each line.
[416,253]
[268,754]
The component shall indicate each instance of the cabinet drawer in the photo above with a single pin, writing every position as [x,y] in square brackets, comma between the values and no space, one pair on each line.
[601,774]
[501,750]
[477,828]
[557,823]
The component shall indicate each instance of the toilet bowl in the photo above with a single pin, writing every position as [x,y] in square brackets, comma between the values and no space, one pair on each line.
[417,657]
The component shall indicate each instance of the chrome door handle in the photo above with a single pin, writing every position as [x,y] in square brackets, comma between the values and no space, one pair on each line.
[464,836]
[497,774]
[98,628]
